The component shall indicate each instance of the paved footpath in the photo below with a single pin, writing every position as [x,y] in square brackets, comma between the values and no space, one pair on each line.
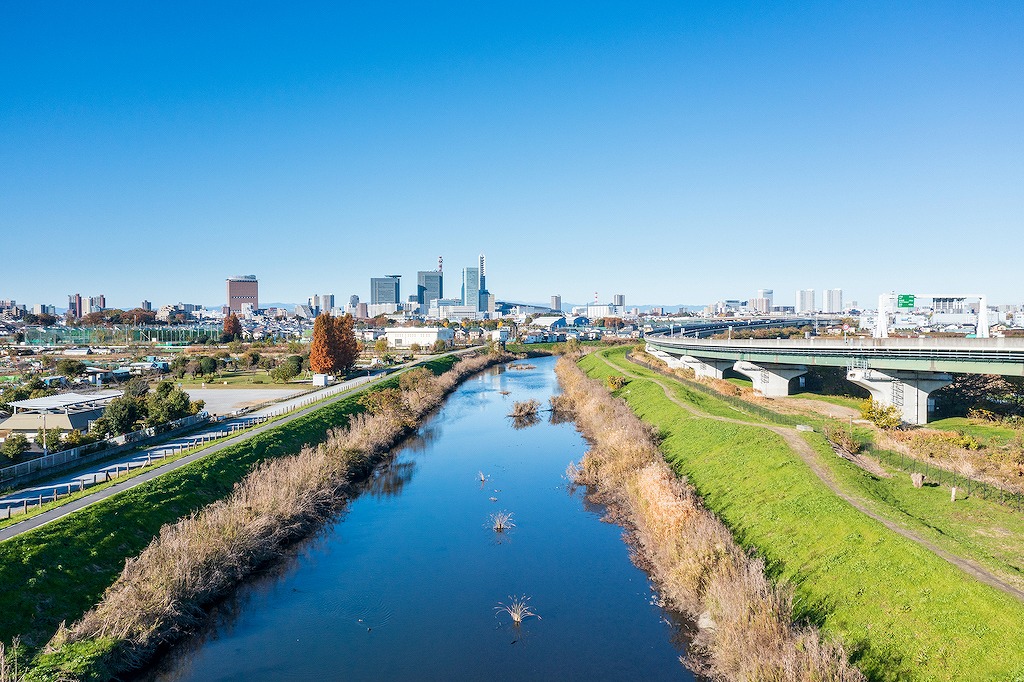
[139,457]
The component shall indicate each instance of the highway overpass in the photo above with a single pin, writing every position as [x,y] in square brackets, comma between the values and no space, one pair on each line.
[900,372]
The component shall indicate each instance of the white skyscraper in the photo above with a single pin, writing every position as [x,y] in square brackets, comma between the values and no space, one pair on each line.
[768,294]
[805,301]
[833,301]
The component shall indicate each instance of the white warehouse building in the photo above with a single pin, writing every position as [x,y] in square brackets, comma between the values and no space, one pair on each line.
[404,337]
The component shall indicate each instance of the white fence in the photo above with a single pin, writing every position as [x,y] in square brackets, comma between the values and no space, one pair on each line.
[64,457]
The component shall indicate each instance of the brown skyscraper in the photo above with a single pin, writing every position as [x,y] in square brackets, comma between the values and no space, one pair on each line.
[242,290]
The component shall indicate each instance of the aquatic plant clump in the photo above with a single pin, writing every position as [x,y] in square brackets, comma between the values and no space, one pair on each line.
[525,409]
[501,521]
[518,609]
[747,630]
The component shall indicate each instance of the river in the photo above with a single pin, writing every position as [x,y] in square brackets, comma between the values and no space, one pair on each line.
[406,581]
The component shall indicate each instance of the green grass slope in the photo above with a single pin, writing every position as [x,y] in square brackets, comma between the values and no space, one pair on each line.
[904,612]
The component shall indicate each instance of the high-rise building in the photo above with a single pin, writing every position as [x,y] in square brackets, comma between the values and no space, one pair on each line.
[326,303]
[471,287]
[429,286]
[385,290]
[833,301]
[147,305]
[619,299]
[243,290]
[556,302]
[768,294]
[75,305]
[805,301]
[484,299]
[96,304]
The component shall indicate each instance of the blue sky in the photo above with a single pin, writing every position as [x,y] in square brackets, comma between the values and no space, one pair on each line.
[673,152]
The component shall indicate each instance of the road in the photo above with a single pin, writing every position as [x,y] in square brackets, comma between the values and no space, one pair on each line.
[95,472]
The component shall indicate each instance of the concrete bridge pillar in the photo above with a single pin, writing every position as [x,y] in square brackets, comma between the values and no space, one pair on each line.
[770,380]
[707,367]
[906,390]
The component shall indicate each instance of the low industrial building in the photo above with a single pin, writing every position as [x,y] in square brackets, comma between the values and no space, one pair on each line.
[67,412]
[404,337]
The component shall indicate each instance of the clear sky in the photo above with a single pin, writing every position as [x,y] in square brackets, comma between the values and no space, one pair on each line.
[676,152]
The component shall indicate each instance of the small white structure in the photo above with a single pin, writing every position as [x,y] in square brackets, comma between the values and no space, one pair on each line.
[322,380]
[404,337]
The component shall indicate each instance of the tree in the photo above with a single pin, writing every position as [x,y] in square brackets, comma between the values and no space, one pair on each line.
[14,446]
[322,353]
[285,371]
[380,346]
[207,365]
[138,316]
[439,346]
[137,387]
[167,403]
[70,368]
[51,437]
[122,413]
[232,327]
[347,347]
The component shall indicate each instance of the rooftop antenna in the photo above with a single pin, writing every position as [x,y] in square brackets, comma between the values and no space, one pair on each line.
[595,298]
[440,263]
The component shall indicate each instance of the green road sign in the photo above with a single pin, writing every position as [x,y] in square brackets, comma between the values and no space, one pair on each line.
[905,301]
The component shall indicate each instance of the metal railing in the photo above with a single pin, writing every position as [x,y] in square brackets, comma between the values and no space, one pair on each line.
[64,457]
[987,491]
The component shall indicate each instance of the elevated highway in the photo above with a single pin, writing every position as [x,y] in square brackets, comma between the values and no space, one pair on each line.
[900,372]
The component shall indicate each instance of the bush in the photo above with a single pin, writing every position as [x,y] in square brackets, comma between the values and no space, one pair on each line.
[884,417]
[615,382]
[14,446]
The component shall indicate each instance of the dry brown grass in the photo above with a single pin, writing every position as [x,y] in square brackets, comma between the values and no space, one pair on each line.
[699,568]
[1001,466]
[525,408]
[162,592]
[501,521]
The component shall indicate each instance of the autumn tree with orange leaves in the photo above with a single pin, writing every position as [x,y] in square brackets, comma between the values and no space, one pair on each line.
[323,349]
[232,327]
[346,345]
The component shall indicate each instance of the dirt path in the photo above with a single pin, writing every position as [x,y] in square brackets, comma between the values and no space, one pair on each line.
[811,457]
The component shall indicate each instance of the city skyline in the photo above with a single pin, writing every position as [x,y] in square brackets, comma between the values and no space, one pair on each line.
[675,153]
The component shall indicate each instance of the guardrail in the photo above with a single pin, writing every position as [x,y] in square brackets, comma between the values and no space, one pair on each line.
[1000,350]
[64,457]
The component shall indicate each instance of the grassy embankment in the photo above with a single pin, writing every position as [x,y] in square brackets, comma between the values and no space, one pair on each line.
[59,571]
[905,613]
[984,531]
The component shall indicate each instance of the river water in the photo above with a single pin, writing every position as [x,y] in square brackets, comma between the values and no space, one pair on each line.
[404,584]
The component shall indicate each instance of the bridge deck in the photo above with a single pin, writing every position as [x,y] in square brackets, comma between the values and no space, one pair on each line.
[971,356]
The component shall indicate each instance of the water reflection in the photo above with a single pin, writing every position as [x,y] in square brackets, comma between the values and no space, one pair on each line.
[525,421]
[559,417]
[391,479]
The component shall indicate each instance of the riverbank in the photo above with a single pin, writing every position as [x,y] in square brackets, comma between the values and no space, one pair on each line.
[747,629]
[904,612]
[163,592]
[405,583]
[63,568]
